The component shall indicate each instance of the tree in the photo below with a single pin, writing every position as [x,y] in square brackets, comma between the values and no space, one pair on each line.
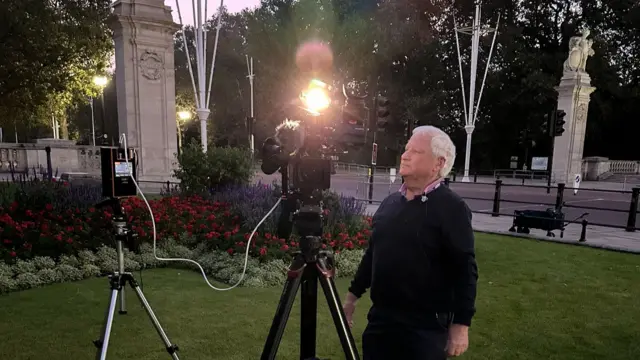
[51,51]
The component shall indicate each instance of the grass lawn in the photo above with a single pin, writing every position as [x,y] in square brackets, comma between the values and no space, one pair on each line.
[535,301]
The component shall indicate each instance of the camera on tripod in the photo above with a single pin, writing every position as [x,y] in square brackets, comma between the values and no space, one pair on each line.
[118,172]
[301,150]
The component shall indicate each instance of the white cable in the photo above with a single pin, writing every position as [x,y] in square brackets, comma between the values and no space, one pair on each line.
[123,141]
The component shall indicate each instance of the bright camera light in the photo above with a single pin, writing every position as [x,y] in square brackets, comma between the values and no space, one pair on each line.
[316,98]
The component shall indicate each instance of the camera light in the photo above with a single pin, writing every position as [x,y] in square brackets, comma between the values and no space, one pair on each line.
[316,98]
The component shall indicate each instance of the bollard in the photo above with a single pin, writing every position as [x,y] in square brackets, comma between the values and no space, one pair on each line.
[49,167]
[633,210]
[446,181]
[168,187]
[454,177]
[475,177]
[522,181]
[371,175]
[560,197]
[496,199]
[583,233]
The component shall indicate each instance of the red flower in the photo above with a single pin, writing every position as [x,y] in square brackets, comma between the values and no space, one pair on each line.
[263,251]
[230,251]
[12,254]
[285,247]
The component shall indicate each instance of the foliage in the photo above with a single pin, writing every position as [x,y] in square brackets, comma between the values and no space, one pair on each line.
[200,172]
[51,52]
[43,220]
[408,49]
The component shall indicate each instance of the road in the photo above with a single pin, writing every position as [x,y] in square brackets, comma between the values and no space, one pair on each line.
[604,207]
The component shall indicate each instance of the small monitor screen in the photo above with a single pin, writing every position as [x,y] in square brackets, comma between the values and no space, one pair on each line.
[123,168]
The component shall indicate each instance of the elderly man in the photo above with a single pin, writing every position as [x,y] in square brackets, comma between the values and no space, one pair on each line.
[420,264]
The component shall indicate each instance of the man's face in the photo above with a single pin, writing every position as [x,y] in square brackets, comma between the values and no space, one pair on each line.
[418,160]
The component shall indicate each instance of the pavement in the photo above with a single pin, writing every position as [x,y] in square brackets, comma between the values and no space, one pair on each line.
[606,204]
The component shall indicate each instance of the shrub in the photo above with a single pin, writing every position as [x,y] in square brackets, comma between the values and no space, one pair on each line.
[218,265]
[200,172]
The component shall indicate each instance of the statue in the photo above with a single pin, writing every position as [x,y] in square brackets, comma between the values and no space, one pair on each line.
[579,51]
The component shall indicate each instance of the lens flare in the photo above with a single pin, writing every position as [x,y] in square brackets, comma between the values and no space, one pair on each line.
[316,98]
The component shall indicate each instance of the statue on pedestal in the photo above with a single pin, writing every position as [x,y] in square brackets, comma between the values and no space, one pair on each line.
[580,48]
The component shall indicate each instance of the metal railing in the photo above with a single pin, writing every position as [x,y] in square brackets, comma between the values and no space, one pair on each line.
[619,208]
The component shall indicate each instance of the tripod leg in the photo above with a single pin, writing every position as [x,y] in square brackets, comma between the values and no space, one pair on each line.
[284,308]
[171,349]
[325,276]
[103,343]
[308,313]
[123,305]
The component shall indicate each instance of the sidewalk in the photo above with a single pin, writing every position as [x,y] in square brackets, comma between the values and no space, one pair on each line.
[597,236]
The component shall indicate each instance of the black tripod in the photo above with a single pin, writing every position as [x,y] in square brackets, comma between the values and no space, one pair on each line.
[307,268]
[118,281]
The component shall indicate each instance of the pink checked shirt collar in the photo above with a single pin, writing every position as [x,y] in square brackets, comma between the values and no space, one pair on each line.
[434,185]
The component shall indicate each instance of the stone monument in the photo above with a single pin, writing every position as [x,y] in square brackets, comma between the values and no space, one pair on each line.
[574,94]
[143,34]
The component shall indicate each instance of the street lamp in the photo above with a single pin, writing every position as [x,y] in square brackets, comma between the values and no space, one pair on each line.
[101,82]
[183,116]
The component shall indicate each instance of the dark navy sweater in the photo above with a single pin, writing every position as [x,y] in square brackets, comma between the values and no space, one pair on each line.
[421,259]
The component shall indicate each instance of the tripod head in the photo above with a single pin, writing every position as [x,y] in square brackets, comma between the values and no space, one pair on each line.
[122,232]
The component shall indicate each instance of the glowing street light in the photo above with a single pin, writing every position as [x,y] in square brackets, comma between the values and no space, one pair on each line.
[184,115]
[101,82]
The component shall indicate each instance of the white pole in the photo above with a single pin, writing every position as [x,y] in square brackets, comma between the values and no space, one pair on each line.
[470,126]
[251,76]
[471,112]
[464,97]
[201,92]
[93,123]
[486,70]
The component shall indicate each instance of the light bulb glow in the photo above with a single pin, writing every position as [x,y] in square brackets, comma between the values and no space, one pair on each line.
[315,98]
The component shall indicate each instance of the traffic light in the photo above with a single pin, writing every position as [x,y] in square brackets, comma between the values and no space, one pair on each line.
[382,111]
[558,125]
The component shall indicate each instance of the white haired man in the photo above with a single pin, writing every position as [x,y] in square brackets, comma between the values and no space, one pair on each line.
[420,263]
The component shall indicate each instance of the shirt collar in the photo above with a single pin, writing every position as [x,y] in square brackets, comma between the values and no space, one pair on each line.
[429,188]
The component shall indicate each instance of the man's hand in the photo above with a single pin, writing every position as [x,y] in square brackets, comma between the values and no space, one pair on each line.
[458,340]
[349,307]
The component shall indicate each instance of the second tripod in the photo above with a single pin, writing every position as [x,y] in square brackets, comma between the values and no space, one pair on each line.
[118,281]
[309,267]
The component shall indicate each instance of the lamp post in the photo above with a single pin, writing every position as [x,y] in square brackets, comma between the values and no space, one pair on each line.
[476,30]
[101,82]
[183,116]
[251,121]
[202,98]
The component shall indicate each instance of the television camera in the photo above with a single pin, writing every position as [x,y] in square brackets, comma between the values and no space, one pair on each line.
[301,150]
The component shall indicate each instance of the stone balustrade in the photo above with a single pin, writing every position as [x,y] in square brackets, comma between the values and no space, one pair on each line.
[65,157]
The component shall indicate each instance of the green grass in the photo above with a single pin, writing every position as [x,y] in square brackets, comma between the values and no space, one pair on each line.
[535,301]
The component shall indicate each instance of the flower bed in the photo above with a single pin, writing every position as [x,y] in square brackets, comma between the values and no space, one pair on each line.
[52,232]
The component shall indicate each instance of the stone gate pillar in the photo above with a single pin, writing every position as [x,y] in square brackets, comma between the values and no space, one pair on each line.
[574,94]
[143,33]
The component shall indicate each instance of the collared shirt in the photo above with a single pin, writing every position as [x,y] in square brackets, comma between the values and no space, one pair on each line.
[429,188]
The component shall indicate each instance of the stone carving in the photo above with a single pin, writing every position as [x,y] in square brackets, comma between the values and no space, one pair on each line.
[151,64]
[579,51]
[581,113]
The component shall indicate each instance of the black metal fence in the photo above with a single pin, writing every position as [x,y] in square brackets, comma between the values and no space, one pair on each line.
[583,206]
